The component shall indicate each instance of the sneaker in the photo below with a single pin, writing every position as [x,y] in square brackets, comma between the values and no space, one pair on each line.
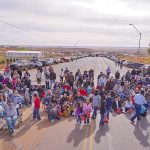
[58,118]
[132,121]
[102,124]
[93,118]
[52,120]
[78,123]
[13,131]
[88,124]
[138,119]
[85,124]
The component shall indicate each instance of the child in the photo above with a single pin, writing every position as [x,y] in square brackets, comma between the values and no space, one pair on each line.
[128,105]
[36,110]
[117,106]
[89,89]
[79,113]
[27,96]
[52,111]
[87,108]
[102,112]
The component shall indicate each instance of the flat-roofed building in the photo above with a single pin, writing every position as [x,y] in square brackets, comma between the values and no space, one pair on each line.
[23,54]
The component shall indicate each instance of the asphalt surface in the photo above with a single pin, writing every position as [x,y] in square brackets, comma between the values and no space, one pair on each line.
[118,134]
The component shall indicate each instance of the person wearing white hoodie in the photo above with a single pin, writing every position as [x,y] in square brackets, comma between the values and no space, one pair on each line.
[102,81]
[39,77]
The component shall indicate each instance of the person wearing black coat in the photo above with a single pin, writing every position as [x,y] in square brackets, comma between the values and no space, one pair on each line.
[117,75]
[27,82]
[52,78]
[20,73]
[133,72]
[117,103]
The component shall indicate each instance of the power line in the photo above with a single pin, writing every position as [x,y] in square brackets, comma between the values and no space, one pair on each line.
[20,28]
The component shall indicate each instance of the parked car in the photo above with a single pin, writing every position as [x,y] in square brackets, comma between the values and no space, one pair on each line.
[43,62]
[146,66]
[22,64]
[64,59]
[50,61]
[125,63]
[35,64]
[56,60]
[135,65]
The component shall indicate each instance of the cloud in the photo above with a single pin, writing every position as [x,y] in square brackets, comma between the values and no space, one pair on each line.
[65,21]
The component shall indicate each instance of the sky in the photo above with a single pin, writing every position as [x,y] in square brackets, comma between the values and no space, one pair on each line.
[66,22]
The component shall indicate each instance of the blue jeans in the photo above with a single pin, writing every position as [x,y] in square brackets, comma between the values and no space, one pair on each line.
[137,114]
[94,112]
[47,84]
[108,110]
[102,119]
[36,113]
[78,117]
[11,122]
[52,82]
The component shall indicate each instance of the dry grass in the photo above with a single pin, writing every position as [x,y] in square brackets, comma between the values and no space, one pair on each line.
[2,66]
[144,60]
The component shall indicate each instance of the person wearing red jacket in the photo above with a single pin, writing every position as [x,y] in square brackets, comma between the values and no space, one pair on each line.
[36,110]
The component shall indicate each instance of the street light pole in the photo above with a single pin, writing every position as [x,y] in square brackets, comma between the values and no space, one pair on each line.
[139,43]
[140,36]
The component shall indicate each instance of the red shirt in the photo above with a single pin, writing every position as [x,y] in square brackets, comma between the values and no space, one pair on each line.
[83,92]
[43,94]
[37,103]
[67,87]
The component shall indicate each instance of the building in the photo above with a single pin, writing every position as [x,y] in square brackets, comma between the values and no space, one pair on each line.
[24,54]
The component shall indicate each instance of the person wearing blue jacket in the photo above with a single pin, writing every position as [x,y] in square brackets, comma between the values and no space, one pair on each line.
[109,102]
[139,101]
[102,112]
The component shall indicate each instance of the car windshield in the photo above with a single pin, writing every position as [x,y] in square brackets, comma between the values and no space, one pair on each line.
[18,61]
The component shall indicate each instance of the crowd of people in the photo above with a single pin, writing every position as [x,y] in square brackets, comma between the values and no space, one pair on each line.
[74,95]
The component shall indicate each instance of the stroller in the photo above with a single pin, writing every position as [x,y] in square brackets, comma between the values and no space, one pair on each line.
[143,110]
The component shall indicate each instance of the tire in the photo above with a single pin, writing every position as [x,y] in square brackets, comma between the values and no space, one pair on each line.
[144,114]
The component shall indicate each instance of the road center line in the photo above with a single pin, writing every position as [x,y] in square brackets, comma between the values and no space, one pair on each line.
[110,145]
[91,136]
[85,141]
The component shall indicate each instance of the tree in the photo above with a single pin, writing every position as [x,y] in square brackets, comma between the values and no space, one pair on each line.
[148,50]
[22,49]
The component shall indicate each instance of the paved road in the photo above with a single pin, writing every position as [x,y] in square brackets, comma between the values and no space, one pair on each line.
[98,64]
[119,134]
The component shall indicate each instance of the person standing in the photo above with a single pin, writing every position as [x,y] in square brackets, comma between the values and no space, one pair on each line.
[47,77]
[102,112]
[36,110]
[7,72]
[62,75]
[20,73]
[39,77]
[108,71]
[139,100]
[26,74]
[117,75]
[71,79]
[121,64]
[96,103]
[52,78]
[1,80]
